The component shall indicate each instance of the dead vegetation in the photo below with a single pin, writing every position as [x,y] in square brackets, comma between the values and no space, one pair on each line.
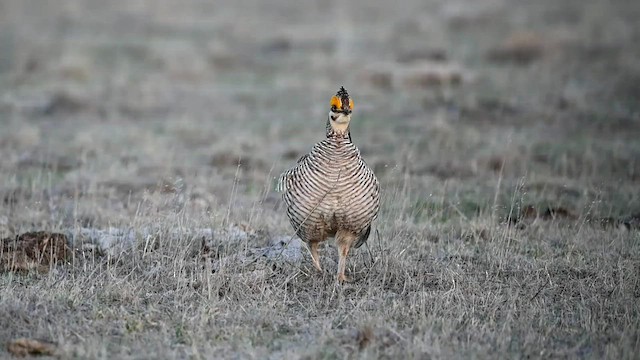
[139,146]
[38,250]
[23,347]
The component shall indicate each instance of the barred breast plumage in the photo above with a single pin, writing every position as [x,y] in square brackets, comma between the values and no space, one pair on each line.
[332,192]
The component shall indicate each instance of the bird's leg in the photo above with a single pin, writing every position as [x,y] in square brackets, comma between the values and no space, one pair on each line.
[314,255]
[344,242]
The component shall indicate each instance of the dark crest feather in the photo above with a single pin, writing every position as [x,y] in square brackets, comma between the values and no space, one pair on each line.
[344,96]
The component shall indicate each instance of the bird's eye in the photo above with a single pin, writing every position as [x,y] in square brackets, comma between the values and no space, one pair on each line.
[334,108]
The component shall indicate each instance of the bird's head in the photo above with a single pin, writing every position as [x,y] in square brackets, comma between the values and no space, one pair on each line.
[340,112]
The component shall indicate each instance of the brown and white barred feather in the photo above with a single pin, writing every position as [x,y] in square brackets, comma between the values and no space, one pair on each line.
[331,189]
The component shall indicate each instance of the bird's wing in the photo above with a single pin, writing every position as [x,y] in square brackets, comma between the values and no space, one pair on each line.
[282,181]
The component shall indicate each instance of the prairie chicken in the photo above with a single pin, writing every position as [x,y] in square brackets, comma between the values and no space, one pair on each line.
[331,191]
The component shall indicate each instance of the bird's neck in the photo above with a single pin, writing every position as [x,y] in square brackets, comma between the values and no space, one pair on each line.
[338,131]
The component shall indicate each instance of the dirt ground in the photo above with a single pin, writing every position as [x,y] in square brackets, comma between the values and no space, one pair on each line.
[505,134]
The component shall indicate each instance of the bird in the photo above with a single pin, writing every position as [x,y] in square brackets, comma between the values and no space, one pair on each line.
[331,191]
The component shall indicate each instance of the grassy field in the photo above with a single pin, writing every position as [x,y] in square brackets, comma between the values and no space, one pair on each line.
[505,134]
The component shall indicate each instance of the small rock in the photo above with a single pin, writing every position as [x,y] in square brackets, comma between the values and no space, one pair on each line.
[285,248]
[111,242]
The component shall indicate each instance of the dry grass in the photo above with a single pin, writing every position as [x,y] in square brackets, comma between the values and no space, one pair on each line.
[500,187]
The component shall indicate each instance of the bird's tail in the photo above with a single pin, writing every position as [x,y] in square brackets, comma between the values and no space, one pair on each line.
[363,237]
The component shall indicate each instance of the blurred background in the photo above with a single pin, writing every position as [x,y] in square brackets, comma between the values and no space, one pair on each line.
[198,105]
